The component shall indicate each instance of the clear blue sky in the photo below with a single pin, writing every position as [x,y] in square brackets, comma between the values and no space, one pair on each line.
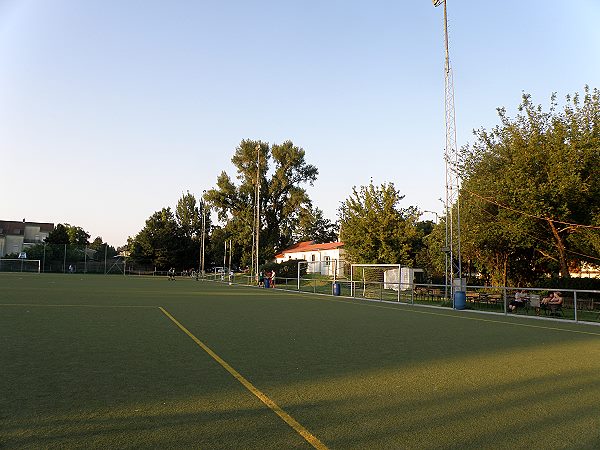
[110,110]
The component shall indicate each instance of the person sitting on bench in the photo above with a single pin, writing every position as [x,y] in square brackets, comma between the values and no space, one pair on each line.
[519,301]
[553,302]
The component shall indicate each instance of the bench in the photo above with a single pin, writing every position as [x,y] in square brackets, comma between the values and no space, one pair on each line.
[494,299]
[473,297]
[554,309]
[533,302]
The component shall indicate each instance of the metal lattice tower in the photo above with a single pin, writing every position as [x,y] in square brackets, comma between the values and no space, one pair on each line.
[452,248]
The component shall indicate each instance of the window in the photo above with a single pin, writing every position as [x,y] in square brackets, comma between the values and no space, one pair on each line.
[327,260]
[313,257]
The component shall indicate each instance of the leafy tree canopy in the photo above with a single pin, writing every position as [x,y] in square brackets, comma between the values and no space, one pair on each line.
[531,192]
[312,226]
[102,249]
[77,235]
[159,242]
[67,234]
[173,239]
[375,229]
[188,215]
[58,235]
[281,174]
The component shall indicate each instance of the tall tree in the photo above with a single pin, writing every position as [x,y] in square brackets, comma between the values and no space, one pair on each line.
[375,229]
[187,213]
[531,194]
[160,243]
[77,235]
[58,235]
[68,234]
[281,174]
[102,248]
[313,226]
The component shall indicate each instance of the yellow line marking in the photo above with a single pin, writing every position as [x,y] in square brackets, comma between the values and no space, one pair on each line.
[312,440]
[73,305]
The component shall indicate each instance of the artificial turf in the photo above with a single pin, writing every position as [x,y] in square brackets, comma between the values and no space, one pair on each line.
[91,362]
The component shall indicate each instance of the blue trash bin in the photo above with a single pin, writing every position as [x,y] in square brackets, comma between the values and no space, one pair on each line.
[267,283]
[460,300]
[336,288]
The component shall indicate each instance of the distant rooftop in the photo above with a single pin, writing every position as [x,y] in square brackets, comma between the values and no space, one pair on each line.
[17,228]
[309,246]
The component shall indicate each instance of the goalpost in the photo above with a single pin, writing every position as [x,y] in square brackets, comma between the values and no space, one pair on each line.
[376,281]
[300,263]
[20,265]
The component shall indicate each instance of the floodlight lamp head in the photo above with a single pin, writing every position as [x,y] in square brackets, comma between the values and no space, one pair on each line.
[437,3]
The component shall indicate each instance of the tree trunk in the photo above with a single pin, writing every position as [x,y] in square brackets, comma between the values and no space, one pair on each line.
[562,254]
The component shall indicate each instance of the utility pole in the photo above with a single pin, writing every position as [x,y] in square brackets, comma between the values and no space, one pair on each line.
[229,271]
[452,245]
[256,239]
[203,238]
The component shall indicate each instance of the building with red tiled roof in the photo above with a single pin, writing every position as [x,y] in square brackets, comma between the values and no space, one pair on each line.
[322,258]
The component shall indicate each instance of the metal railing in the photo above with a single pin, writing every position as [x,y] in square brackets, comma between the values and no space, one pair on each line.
[577,305]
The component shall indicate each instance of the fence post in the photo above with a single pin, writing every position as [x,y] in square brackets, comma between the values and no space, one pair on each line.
[44,259]
[65,259]
[505,311]
[575,303]
[315,286]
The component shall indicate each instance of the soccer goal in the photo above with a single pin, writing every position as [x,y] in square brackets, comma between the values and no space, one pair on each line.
[20,265]
[376,281]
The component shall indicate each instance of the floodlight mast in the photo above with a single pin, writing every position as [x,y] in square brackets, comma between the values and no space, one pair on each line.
[203,239]
[256,239]
[452,247]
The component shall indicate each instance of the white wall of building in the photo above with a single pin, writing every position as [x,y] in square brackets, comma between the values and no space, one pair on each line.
[324,262]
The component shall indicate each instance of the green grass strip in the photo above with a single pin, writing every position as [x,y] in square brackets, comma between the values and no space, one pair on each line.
[404,308]
[41,305]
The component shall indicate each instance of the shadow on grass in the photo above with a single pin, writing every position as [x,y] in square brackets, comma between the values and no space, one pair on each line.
[540,412]
[184,425]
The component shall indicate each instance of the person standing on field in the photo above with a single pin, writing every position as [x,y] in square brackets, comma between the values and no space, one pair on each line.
[273,279]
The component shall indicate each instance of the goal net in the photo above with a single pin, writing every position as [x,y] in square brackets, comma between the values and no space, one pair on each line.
[376,281]
[20,265]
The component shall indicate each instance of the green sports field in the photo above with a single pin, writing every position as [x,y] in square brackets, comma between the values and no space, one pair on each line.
[116,362]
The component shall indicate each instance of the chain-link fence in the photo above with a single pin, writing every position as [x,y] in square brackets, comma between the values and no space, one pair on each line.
[68,258]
